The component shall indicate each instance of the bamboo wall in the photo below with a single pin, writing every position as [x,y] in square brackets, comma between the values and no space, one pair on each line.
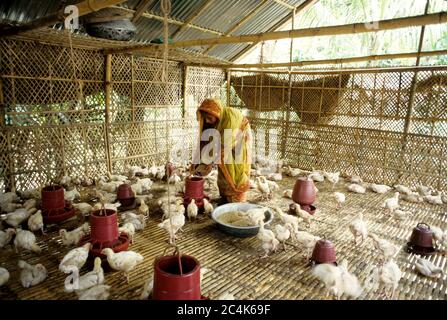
[387,126]
[55,121]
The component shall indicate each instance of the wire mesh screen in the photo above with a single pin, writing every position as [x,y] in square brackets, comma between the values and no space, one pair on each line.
[385,125]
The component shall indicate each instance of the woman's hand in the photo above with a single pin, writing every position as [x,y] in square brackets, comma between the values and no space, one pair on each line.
[202,169]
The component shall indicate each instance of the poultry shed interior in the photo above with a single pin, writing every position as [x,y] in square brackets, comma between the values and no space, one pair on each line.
[96,118]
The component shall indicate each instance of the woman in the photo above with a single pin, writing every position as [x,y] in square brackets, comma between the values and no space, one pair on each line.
[233,177]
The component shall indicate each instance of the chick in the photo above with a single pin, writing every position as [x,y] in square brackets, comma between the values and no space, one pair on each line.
[124,261]
[269,241]
[350,284]
[434,199]
[385,248]
[291,221]
[6,236]
[330,275]
[356,179]
[303,214]
[424,190]
[4,276]
[316,176]
[292,172]
[403,189]
[172,225]
[83,208]
[332,177]
[99,292]
[143,209]
[138,220]
[90,279]
[35,222]
[15,218]
[427,268]
[129,229]
[75,258]
[29,204]
[356,188]
[70,238]
[340,198]
[413,197]
[282,234]
[192,210]
[263,187]
[358,228]
[287,193]
[27,240]
[388,276]
[307,241]
[207,206]
[400,215]
[72,195]
[32,275]
[391,203]
[379,188]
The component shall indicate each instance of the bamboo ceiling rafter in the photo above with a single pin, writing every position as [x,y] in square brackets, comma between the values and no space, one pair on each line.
[279,25]
[84,8]
[188,22]
[284,4]
[141,8]
[170,20]
[259,7]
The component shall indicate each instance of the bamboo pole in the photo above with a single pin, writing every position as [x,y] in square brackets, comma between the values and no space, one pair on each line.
[228,88]
[284,4]
[258,8]
[391,24]
[2,105]
[305,4]
[188,22]
[185,89]
[84,8]
[107,84]
[142,6]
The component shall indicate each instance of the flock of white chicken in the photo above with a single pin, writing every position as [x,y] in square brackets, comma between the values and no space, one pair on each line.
[22,210]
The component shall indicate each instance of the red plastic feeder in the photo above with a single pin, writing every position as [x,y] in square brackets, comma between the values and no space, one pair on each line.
[104,233]
[194,187]
[125,195]
[54,207]
[176,277]
[324,252]
[304,194]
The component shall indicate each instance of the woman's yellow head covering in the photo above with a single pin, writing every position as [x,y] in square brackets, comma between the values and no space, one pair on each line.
[212,107]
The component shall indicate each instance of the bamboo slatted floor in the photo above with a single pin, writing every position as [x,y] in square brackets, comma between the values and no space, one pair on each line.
[233,263]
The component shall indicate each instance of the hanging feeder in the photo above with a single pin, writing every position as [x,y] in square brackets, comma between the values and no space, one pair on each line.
[304,194]
[421,240]
[126,196]
[104,233]
[194,187]
[324,252]
[54,207]
[176,277]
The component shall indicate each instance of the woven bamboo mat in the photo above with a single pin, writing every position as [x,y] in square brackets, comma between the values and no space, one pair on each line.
[233,264]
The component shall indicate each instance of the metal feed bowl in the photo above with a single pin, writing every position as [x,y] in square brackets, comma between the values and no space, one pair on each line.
[239,231]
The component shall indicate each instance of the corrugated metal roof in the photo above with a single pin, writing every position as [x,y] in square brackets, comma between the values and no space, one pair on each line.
[219,16]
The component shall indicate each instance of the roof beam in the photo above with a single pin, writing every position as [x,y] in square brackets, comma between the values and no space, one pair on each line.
[341,60]
[84,8]
[187,23]
[141,8]
[171,21]
[434,18]
[280,24]
[284,4]
[258,8]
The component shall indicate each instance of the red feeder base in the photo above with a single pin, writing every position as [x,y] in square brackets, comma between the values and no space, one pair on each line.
[120,244]
[58,215]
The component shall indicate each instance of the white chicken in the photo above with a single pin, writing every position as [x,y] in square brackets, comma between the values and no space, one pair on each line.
[29,204]
[137,188]
[129,229]
[83,208]
[88,280]
[70,238]
[413,197]
[288,220]
[4,276]
[287,193]
[439,235]
[72,195]
[332,177]
[262,186]
[26,240]
[35,222]
[207,207]
[6,236]
[385,248]
[117,177]
[391,203]
[145,183]
[65,181]
[153,170]
[108,206]
[400,215]
[226,296]
[8,197]
[403,189]
[307,241]
[355,179]
[143,209]
[303,214]
[147,289]
[15,218]
[358,228]
[350,284]
[99,292]
[292,172]
[75,258]
[427,268]
[282,234]
[330,275]
[161,172]
[269,241]
[340,198]
[138,220]
[256,215]
[275,176]
[174,179]
[178,221]
[379,188]
[316,176]
[32,275]
[10,207]
[424,190]
[124,261]
[386,276]
[192,210]
[434,199]
[356,188]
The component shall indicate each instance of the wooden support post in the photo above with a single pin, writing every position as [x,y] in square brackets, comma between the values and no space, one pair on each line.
[228,88]
[2,106]
[185,90]
[107,90]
